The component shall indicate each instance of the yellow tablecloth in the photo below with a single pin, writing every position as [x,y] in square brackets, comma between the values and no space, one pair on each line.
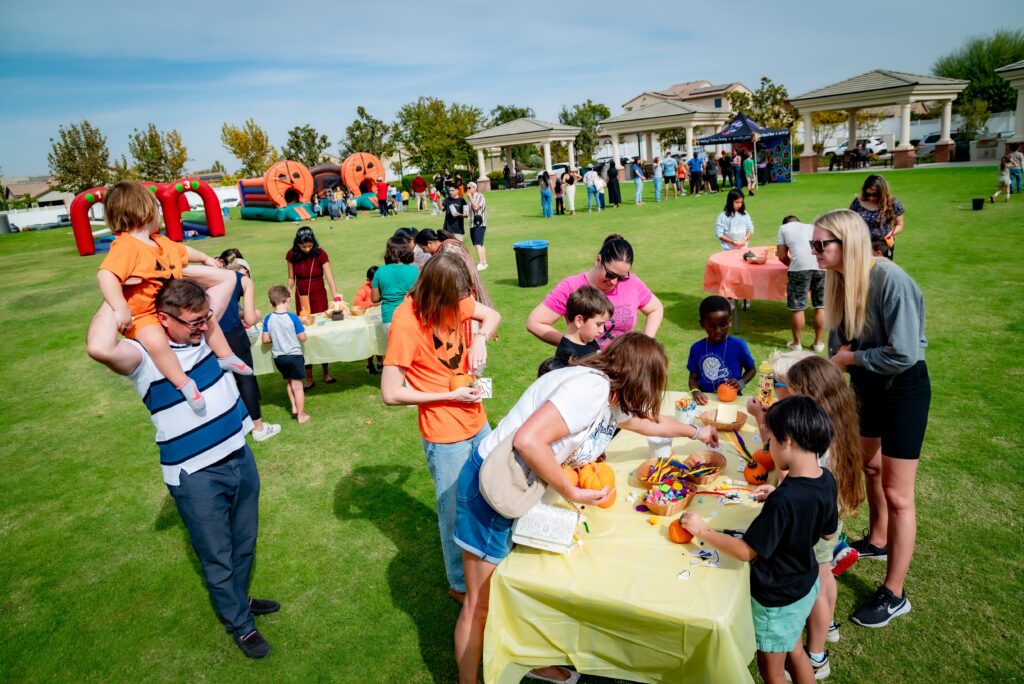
[354,339]
[615,606]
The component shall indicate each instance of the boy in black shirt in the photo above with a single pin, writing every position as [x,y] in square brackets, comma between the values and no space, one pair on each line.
[779,544]
[587,310]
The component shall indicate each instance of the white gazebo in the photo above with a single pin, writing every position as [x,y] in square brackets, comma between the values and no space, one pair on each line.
[525,131]
[1014,73]
[661,116]
[880,88]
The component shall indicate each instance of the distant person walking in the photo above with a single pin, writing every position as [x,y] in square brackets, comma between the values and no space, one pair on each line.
[638,182]
[614,191]
[696,174]
[590,179]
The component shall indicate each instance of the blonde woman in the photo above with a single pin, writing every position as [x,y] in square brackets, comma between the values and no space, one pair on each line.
[876,318]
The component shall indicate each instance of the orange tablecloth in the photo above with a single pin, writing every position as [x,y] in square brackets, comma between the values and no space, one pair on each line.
[728,275]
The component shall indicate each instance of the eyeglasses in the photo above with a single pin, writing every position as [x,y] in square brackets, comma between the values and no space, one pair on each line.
[192,325]
[780,384]
[818,246]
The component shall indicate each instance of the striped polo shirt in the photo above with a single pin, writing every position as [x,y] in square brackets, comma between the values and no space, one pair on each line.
[188,440]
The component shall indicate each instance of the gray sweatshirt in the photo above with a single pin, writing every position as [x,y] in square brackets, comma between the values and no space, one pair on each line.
[893,339]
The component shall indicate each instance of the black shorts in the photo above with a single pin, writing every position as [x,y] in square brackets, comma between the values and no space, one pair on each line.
[894,407]
[476,235]
[292,366]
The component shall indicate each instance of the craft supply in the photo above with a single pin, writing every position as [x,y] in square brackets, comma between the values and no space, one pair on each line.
[765,384]
[735,440]
[684,575]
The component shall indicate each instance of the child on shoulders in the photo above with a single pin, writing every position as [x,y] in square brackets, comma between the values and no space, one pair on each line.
[284,330]
[139,263]
[779,543]
[719,358]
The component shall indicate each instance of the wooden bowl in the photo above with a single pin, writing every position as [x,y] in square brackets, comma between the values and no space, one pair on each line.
[356,310]
[710,418]
[756,259]
[670,508]
[711,458]
[643,470]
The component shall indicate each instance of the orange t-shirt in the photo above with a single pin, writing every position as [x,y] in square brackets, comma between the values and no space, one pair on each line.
[363,298]
[130,257]
[429,363]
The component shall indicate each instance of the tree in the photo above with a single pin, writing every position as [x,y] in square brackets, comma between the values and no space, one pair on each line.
[824,125]
[768,105]
[975,113]
[434,134]
[158,156]
[368,134]
[79,158]
[586,116]
[306,145]
[251,145]
[976,61]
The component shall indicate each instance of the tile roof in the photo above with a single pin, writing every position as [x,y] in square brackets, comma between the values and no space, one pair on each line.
[1011,67]
[880,79]
[524,125]
[662,109]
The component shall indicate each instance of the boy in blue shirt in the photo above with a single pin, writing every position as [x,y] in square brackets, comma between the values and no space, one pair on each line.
[719,358]
[284,330]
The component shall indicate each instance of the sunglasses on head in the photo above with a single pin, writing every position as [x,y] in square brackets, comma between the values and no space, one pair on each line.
[818,246]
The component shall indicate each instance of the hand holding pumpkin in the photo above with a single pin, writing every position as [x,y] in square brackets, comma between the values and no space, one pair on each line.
[468,394]
[694,524]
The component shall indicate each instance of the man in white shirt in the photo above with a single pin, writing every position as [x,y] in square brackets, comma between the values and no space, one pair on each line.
[794,250]
[590,180]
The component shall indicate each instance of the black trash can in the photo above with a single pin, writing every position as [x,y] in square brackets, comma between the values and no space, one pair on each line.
[532,262]
[978,203]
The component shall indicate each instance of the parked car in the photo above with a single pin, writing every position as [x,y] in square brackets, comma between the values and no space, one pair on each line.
[874,144]
[927,144]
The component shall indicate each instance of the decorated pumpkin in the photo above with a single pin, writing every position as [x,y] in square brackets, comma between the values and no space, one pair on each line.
[359,168]
[755,474]
[678,534]
[726,392]
[596,476]
[764,458]
[571,475]
[459,380]
[288,182]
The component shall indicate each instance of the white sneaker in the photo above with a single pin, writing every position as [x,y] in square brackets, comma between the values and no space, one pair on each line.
[819,347]
[481,267]
[794,346]
[268,431]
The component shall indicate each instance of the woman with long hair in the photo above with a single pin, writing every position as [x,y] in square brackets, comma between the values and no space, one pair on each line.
[394,279]
[614,191]
[427,347]
[882,212]
[566,417]
[546,195]
[733,228]
[308,267]
[876,316]
[611,275]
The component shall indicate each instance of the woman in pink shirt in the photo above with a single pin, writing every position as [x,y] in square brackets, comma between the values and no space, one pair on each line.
[611,275]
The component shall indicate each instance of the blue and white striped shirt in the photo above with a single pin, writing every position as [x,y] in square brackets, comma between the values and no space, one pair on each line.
[188,440]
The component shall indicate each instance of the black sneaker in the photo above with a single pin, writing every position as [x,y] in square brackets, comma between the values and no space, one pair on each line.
[253,645]
[865,549]
[263,606]
[881,608]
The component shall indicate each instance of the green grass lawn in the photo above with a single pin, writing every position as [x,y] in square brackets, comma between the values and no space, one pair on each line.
[98,582]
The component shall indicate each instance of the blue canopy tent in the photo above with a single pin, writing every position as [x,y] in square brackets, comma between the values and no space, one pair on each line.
[774,144]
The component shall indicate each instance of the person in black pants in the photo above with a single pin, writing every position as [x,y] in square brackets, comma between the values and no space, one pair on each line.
[234,327]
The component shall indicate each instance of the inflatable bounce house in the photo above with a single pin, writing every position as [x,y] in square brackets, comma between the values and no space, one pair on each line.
[173,203]
[359,173]
[282,194]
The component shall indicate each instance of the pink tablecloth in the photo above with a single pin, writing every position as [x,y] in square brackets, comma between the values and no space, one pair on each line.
[727,274]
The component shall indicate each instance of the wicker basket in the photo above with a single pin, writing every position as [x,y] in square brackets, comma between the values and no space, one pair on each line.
[670,508]
[711,418]
[711,458]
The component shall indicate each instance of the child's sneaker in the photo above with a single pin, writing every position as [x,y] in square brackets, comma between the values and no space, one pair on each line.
[233,364]
[843,558]
[821,669]
[192,395]
[268,431]
[833,632]
[880,609]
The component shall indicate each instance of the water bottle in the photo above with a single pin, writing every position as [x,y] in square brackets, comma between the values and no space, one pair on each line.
[765,384]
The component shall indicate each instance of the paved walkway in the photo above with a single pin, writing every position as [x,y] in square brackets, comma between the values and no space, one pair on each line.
[930,165]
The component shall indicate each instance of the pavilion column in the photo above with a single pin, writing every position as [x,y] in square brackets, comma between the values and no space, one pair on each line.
[572,153]
[851,129]
[809,158]
[944,147]
[615,151]
[511,165]
[483,183]
[1018,117]
[903,156]
[649,146]
[689,140]
[547,156]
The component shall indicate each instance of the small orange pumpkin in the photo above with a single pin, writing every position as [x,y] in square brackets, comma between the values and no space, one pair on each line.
[755,474]
[596,476]
[571,475]
[678,534]
[459,380]
[726,392]
[764,458]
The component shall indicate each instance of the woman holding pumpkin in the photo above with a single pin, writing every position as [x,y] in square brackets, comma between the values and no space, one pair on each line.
[428,347]
[876,316]
[565,418]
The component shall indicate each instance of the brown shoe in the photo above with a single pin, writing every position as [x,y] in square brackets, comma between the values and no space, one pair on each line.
[459,596]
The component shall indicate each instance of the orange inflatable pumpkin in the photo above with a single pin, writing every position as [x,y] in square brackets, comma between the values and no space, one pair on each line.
[596,476]
[459,380]
[678,534]
[726,392]
[755,474]
[288,182]
[571,475]
[359,167]
[764,458]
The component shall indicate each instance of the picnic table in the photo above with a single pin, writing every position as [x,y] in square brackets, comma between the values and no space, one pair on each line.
[354,339]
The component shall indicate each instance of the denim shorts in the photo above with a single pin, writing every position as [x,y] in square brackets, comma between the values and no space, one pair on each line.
[479,529]
[778,629]
[800,282]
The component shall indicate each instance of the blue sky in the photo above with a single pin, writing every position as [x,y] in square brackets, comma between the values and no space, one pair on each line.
[193,66]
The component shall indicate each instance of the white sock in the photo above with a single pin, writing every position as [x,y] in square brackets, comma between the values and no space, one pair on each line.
[816,657]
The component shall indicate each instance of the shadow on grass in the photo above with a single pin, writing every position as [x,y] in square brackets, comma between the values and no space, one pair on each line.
[415,575]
